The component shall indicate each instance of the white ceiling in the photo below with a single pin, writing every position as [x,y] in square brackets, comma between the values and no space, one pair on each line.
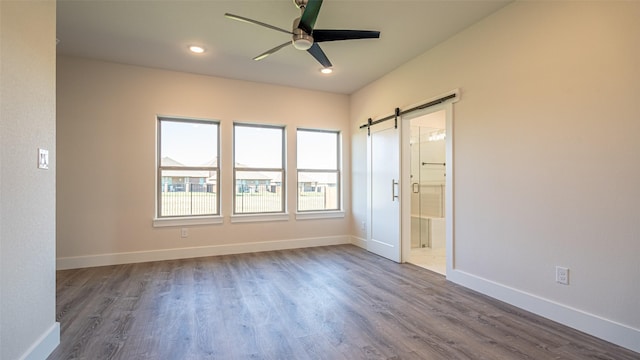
[157,33]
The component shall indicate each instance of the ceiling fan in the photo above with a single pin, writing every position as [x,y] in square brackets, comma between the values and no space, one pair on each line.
[304,36]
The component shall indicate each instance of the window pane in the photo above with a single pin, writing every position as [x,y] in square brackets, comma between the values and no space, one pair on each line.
[317,191]
[187,143]
[258,147]
[317,150]
[188,192]
[258,192]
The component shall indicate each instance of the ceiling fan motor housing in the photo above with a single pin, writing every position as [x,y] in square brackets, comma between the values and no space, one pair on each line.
[301,40]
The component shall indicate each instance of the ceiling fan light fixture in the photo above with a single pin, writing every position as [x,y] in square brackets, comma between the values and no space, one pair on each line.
[302,44]
[326,70]
[301,40]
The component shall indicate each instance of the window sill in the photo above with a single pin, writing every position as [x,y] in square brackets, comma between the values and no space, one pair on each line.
[187,220]
[319,215]
[259,218]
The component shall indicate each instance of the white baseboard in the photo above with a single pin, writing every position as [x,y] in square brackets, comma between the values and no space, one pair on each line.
[358,241]
[591,324]
[76,262]
[45,345]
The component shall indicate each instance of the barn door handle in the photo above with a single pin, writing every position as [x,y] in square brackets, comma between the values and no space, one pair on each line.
[394,185]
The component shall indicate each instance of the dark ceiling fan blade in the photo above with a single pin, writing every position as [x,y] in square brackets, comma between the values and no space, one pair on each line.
[319,55]
[269,52]
[334,35]
[256,22]
[309,16]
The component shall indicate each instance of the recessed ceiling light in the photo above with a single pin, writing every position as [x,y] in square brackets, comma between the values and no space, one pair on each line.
[326,70]
[196,49]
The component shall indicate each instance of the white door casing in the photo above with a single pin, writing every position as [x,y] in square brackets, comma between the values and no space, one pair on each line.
[405,184]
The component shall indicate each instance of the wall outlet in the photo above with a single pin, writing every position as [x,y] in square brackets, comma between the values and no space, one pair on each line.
[184,232]
[562,275]
[363,225]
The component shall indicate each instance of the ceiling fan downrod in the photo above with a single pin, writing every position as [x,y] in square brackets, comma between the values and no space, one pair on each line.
[301,4]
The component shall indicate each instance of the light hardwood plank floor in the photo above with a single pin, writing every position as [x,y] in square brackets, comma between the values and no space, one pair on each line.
[335,302]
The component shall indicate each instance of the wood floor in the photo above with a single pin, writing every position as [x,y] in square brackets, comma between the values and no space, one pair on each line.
[337,302]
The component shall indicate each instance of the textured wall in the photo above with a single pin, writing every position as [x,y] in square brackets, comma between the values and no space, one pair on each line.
[27,206]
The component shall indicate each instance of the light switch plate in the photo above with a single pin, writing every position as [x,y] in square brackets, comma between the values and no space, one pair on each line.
[43,159]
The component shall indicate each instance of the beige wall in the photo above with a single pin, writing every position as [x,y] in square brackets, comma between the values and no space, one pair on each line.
[27,194]
[545,156]
[107,156]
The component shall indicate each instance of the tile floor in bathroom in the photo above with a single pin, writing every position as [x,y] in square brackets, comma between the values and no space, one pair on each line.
[431,259]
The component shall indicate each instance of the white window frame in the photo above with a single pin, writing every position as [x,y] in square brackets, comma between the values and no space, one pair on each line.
[180,220]
[261,215]
[322,213]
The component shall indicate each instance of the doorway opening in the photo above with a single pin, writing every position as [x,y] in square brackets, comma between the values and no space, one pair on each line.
[425,160]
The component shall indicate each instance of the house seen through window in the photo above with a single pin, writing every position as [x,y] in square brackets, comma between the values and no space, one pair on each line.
[318,170]
[188,167]
[258,152]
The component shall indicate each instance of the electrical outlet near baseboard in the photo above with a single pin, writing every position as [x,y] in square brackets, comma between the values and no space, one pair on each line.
[184,232]
[562,275]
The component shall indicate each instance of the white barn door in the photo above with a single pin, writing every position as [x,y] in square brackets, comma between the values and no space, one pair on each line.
[384,197]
